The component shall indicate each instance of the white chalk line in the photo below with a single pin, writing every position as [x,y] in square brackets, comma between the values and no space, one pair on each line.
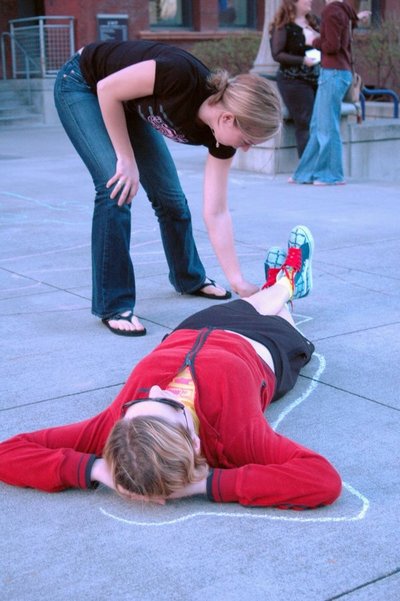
[251,514]
[301,319]
[36,201]
[311,387]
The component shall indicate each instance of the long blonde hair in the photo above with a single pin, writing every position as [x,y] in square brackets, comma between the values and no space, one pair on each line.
[253,101]
[150,456]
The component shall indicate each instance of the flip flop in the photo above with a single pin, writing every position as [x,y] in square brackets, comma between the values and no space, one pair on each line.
[210,282]
[119,317]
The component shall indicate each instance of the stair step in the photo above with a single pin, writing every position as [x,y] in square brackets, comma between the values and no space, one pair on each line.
[17,108]
[7,96]
[21,119]
[17,111]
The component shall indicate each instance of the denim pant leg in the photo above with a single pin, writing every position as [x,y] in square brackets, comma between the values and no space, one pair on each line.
[159,178]
[298,96]
[329,168]
[113,282]
[322,157]
[309,158]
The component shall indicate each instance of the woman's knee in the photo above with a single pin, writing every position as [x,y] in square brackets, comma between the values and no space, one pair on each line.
[170,205]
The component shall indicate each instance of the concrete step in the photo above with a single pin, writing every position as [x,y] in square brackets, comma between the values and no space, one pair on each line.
[15,109]
[23,117]
[7,96]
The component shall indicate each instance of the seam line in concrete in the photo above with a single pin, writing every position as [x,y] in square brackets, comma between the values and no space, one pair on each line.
[351,393]
[361,586]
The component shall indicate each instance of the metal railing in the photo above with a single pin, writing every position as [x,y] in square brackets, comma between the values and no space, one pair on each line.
[47,41]
[27,60]
[380,92]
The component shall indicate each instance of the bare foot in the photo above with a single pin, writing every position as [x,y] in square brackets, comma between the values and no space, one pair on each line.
[125,324]
[212,290]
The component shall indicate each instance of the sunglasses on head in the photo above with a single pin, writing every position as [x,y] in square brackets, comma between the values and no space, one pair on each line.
[164,401]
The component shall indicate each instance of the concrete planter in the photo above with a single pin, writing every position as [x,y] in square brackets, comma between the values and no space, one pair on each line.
[371,149]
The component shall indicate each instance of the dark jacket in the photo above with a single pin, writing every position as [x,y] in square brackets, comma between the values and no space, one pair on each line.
[288,45]
[288,48]
[335,37]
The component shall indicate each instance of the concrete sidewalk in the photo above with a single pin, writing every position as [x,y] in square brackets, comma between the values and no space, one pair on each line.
[60,364]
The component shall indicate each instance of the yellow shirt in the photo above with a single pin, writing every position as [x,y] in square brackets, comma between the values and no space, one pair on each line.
[183,386]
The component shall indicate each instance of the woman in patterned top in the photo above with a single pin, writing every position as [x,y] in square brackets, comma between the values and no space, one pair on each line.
[292,32]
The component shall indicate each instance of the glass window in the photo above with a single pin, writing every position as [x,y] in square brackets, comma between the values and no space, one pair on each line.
[170,13]
[237,13]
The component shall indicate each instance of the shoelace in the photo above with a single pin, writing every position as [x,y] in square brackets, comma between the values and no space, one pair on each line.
[292,265]
[272,273]
[293,259]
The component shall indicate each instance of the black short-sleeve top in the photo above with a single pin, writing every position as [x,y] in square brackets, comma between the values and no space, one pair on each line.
[180,88]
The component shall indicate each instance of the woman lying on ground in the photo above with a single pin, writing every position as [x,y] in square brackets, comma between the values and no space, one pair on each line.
[190,419]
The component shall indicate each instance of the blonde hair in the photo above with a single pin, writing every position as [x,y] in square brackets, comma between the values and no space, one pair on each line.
[252,99]
[149,456]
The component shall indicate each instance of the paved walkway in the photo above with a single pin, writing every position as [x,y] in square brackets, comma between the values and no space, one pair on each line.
[60,364]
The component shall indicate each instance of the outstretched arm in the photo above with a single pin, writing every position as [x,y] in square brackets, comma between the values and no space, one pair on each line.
[56,458]
[274,472]
[219,223]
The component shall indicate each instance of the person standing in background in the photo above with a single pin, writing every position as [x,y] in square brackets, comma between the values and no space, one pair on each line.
[321,163]
[292,33]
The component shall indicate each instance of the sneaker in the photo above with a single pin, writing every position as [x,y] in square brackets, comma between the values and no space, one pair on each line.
[297,266]
[273,262]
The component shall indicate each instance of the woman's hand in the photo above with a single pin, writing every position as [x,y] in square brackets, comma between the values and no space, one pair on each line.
[364,16]
[196,488]
[309,62]
[126,180]
[243,288]
[131,496]
[102,473]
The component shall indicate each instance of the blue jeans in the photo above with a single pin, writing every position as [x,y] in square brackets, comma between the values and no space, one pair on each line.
[322,158]
[113,279]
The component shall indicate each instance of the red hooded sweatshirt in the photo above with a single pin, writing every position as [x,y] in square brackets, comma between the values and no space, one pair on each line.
[335,39]
[251,464]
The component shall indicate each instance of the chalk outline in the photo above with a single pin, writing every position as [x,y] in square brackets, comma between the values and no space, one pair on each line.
[254,516]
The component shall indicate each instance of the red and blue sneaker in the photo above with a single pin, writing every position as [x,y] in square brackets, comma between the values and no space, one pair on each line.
[297,267]
[273,262]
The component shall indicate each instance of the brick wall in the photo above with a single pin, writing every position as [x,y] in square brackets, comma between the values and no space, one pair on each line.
[8,10]
[205,19]
[85,14]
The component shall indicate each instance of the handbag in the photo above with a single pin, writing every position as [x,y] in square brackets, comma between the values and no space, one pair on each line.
[354,90]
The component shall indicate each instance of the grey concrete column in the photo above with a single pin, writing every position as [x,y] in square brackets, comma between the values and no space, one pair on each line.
[264,63]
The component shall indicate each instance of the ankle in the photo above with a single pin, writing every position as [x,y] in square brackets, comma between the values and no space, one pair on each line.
[287,282]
